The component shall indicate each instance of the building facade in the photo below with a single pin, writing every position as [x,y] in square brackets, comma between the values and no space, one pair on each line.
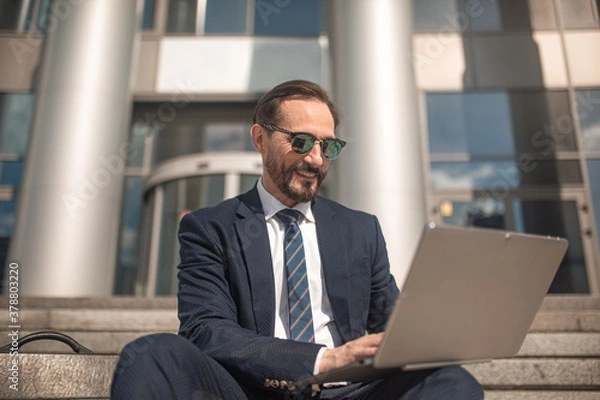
[117,117]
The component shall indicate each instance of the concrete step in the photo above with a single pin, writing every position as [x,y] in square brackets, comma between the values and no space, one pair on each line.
[141,320]
[539,373]
[535,345]
[542,395]
[59,376]
[550,303]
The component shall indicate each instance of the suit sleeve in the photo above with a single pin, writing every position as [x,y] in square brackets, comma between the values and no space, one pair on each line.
[208,314]
[384,291]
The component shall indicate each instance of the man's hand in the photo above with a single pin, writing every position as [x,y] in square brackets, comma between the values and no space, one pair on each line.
[365,346]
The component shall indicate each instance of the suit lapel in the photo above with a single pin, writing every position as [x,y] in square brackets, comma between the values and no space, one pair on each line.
[254,239]
[335,266]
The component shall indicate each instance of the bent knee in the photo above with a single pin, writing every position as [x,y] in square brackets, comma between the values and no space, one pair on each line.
[153,347]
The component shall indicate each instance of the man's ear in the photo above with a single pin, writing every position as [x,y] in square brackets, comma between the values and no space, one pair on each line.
[259,136]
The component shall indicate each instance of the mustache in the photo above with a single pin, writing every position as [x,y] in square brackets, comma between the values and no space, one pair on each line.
[307,168]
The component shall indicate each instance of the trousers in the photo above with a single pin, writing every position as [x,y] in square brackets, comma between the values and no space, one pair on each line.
[167,366]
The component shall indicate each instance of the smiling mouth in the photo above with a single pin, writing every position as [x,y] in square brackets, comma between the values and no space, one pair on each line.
[306,175]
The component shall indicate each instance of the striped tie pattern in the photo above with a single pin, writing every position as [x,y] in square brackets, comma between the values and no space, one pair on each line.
[301,321]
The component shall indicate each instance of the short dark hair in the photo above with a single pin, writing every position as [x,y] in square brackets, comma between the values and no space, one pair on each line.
[268,108]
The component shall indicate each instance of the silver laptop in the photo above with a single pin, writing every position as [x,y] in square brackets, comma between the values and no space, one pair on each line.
[470,295]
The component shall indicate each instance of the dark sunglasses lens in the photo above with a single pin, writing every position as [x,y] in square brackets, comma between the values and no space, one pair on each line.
[302,144]
[331,148]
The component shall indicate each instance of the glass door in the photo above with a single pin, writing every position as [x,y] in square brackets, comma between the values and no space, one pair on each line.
[176,188]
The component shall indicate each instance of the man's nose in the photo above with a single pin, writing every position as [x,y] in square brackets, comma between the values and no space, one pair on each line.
[315,156]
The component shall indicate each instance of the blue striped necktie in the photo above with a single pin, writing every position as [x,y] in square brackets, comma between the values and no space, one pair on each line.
[301,321]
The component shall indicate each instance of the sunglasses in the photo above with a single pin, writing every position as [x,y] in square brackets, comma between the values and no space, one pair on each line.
[302,143]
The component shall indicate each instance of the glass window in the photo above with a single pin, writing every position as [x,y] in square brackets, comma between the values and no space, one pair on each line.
[542,122]
[180,197]
[140,131]
[474,123]
[479,16]
[287,18]
[15,14]
[127,261]
[7,218]
[181,129]
[484,16]
[499,176]
[594,176]
[588,113]
[226,16]
[556,218]
[16,113]
[437,15]
[456,15]
[247,182]
[500,123]
[578,13]
[181,16]
[10,173]
[487,213]
[148,14]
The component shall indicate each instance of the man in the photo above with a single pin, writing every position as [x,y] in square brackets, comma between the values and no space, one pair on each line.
[279,283]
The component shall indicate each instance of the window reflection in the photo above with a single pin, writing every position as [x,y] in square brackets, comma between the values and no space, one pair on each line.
[488,213]
[588,113]
[500,123]
[474,175]
[499,176]
[474,123]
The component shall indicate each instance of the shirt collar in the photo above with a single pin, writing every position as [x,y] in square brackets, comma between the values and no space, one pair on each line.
[272,206]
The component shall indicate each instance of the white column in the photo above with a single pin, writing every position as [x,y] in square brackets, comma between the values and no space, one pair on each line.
[380,170]
[70,200]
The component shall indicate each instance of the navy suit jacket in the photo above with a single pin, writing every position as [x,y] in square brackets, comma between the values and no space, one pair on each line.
[226,299]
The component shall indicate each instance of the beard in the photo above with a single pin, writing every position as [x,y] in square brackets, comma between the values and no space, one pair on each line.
[282,176]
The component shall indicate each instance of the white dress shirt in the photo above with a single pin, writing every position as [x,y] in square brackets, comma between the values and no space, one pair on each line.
[326,332]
